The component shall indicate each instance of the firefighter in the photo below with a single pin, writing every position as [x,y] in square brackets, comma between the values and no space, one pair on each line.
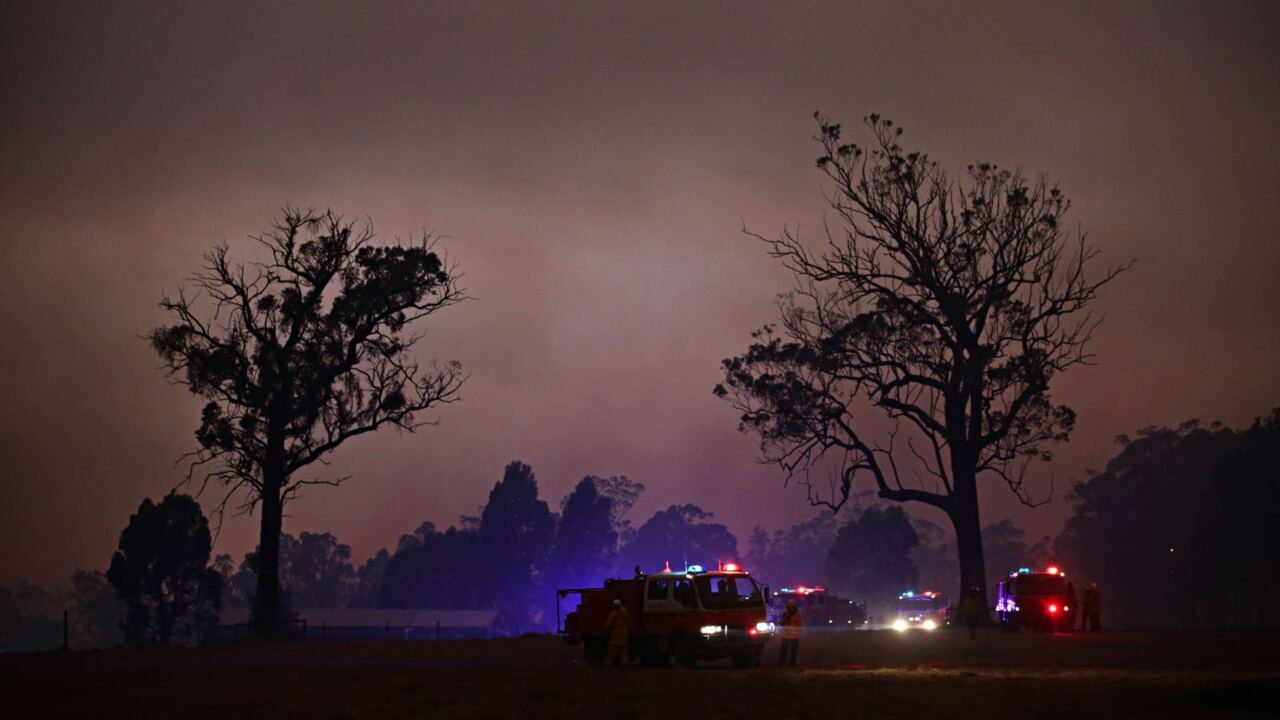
[1092,607]
[792,628]
[973,608]
[619,631]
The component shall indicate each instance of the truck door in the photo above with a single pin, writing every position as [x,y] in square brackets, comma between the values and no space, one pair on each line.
[658,605]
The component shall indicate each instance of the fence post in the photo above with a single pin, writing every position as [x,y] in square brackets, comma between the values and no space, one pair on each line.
[66,632]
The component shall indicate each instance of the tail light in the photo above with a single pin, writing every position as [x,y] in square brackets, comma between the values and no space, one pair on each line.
[1053,608]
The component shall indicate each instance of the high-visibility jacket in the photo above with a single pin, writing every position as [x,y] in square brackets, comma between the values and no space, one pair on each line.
[617,627]
[792,625]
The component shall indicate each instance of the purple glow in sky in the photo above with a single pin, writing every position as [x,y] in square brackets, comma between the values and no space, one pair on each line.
[591,168]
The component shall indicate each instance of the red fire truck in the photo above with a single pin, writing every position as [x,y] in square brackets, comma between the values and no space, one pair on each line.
[689,615]
[1042,600]
[819,609]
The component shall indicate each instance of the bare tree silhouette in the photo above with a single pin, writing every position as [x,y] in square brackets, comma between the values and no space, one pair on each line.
[946,307]
[299,353]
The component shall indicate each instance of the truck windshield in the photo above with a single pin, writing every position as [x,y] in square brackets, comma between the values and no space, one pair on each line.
[725,592]
[917,604]
[1040,585]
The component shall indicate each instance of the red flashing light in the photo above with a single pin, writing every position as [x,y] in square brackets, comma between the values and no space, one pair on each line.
[667,568]
[1053,608]
[1053,570]
[731,567]
[753,631]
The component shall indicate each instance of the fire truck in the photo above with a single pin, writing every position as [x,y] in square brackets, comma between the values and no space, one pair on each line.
[689,615]
[925,610]
[819,609]
[1035,600]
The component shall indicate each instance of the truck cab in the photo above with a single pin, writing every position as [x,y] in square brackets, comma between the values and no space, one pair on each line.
[1027,599]
[689,615]
[925,611]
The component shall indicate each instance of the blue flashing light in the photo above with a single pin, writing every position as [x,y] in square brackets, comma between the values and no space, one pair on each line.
[908,594]
[1024,571]
[694,569]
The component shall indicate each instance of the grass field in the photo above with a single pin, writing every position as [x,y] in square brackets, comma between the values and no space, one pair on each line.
[862,674]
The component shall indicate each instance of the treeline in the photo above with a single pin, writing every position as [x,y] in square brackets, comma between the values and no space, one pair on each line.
[1179,529]
[31,617]
[1176,530]
[510,558]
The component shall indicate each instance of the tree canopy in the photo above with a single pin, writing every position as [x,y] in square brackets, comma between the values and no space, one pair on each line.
[919,342]
[680,534]
[161,572]
[300,352]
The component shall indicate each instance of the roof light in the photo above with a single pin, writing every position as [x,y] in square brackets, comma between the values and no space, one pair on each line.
[1024,571]
[694,569]
[1052,570]
[731,567]
[667,568]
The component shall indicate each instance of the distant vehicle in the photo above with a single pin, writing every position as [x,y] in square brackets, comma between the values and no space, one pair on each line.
[924,611]
[689,615]
[818,608]
[1041,600]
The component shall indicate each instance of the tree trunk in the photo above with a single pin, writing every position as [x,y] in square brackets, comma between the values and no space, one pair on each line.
[968,528]
[266,610]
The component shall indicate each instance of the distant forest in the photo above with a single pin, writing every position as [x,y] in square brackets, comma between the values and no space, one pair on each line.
[1175,530]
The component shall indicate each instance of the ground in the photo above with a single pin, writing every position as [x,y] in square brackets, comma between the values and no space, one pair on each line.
[865,674]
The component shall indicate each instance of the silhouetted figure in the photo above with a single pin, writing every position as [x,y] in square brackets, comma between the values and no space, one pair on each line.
[1092,607]
[619,634]
[973,608]
[792,628]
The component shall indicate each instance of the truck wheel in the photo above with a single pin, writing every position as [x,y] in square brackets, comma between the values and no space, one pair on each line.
[682,651]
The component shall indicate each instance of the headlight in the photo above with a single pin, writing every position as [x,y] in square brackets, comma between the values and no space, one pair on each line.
[930,625]
[764,627]
[900,625]
[712,629]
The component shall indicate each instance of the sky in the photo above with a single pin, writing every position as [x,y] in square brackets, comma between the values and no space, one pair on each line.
[591,168]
